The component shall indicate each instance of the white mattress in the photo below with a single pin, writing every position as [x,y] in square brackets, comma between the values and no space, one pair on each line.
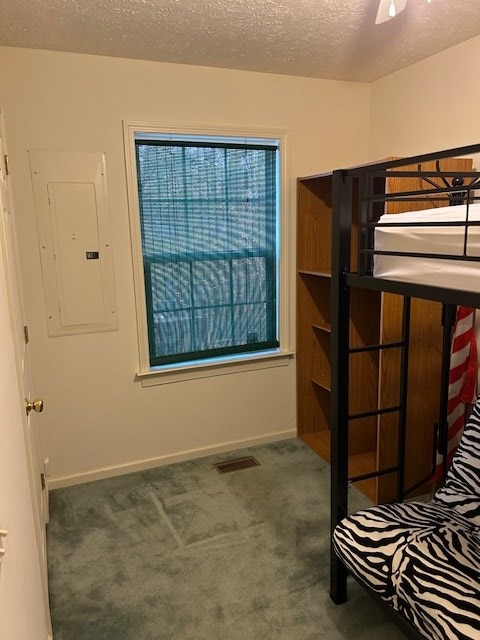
[453,274]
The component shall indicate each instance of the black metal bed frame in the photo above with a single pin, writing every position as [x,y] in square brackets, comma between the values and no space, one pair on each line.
[363,188]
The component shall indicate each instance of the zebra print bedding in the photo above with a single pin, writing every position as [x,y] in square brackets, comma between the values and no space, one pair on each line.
[423,558]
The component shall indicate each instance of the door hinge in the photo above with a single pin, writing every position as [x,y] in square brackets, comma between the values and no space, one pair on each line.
[26,334]
[7,165]
[42,480]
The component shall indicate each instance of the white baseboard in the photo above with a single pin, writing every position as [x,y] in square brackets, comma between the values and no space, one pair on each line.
[141,465]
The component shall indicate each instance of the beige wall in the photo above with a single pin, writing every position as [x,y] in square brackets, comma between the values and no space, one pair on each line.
[431,105]
[96,415]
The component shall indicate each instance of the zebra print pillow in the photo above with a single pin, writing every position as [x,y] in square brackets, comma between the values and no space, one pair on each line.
[462,486]
[423,559]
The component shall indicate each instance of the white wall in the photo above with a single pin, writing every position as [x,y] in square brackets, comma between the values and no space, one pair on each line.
[96,415]
[22,613]
[431,105]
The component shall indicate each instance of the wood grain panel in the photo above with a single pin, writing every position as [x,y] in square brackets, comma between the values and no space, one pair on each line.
[424,357]
[363,388]
[423,387]
[314,225]
[358,464]
[313,353]
[395,185]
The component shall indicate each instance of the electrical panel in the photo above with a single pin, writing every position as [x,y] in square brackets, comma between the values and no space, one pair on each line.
[73,228]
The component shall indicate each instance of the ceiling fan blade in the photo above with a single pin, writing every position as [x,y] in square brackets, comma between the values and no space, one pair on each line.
[384,11]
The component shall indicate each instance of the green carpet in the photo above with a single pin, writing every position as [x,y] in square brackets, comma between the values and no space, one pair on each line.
[183,553]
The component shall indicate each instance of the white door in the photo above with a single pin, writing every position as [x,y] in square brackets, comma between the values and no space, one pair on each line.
[25,392]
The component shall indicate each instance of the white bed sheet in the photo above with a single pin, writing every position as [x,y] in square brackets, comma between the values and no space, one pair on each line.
[454,274]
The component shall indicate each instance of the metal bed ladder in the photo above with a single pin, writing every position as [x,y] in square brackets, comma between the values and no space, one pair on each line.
[340,357]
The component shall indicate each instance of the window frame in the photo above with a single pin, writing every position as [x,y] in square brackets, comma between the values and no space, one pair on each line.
[216,366]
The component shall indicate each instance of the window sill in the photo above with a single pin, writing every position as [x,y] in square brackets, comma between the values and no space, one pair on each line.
[152,377]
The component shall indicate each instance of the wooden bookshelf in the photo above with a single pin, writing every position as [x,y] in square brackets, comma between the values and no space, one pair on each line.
[314,263]
[374,375]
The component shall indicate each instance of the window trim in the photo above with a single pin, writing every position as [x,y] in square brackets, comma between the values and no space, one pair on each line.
[161,374]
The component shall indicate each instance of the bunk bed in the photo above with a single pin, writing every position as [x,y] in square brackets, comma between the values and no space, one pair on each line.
[419,560]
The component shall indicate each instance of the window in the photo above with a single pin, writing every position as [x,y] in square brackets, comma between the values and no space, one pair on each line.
[208,221]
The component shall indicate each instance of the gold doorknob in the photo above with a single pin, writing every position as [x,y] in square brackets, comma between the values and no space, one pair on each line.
[36,405]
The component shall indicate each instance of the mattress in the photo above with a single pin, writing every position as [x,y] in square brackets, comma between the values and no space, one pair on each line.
[453,274]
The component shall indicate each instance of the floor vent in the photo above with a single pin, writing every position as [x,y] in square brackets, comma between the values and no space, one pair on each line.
[236,465]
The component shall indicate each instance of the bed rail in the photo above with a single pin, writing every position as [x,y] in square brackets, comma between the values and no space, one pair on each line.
[373,193]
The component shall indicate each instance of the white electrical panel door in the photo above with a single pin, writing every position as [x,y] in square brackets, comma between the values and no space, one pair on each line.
[72,219]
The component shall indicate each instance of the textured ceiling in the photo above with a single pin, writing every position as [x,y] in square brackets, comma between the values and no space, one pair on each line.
[335,39]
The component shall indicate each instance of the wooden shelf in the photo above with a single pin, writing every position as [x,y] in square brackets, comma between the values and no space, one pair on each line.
[314,225]
[313,300]
[364,463]
[315,274]
[314,264]
[323,383]
[322,329]
[318,441]
[359,463]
